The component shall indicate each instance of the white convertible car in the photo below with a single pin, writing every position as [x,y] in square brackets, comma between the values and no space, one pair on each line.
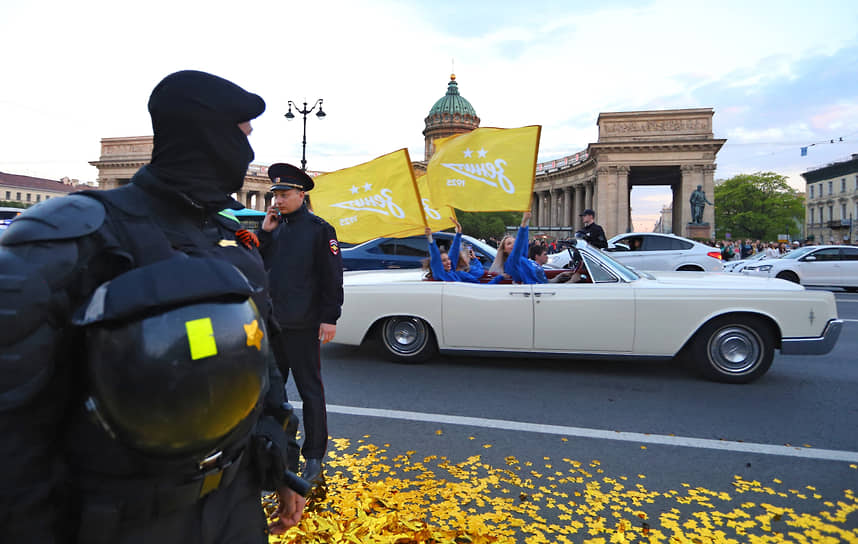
[726,327]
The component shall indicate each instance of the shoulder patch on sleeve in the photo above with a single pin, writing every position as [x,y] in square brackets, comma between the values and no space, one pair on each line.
[334,245]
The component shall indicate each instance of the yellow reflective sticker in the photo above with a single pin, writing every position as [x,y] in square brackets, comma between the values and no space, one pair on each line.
[210,483]
[228,243]
[201,338]
[254,335]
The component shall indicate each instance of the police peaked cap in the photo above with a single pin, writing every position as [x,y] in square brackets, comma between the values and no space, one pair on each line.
[285,176]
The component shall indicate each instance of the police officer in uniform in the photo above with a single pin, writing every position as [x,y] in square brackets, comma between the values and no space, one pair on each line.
[139,401]
[305,268]
[592,233]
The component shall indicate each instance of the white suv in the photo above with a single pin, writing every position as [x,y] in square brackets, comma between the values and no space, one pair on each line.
[655,251]
[824,266]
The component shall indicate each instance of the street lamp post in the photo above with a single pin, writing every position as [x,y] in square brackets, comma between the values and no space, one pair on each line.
[304,111]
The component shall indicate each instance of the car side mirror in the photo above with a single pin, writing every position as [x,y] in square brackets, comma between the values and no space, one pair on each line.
[810,258]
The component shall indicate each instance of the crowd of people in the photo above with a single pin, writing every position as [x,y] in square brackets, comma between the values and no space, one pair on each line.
[734,250]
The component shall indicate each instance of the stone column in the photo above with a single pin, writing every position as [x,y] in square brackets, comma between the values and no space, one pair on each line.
[557,207]
[546,209]
[606,202]
[622,199]
[534,208]
[579,205]
[567,207]
[588,195]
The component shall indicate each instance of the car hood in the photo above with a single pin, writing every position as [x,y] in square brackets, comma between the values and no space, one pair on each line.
[716,280]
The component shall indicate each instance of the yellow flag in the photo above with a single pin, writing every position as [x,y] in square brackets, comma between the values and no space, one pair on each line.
[437,217]
[374,199]
[486,170]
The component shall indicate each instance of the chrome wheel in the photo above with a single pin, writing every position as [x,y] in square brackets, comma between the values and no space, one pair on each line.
[407,339]
[735,349]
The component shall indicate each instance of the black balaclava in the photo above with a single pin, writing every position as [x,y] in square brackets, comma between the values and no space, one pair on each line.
[199,150]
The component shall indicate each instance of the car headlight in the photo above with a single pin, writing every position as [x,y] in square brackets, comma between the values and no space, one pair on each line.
[764,267]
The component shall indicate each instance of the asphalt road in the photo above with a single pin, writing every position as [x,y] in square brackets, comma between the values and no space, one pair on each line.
[780,454]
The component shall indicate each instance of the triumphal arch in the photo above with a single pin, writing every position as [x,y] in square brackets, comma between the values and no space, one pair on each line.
[675,148]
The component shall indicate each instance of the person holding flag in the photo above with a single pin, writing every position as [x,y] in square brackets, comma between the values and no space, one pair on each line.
[468,268]
[523,269]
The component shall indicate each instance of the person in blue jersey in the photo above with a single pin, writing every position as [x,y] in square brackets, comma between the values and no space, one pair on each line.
[524,270]
[468,267]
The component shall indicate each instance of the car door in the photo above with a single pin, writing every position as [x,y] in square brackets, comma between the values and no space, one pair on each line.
[594,317]
[849,267]
[634,256]
[820,267]
[660,253]
[488,317]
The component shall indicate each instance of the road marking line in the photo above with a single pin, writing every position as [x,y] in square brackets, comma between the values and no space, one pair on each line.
[702,443]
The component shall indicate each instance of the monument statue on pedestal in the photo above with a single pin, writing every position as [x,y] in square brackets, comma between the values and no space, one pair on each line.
[698,202]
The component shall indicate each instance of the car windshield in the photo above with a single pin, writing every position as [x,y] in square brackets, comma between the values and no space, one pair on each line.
[798,252]
[626,273]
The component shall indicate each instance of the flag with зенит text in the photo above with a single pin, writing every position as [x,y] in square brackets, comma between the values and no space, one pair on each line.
[370,200]
[437,217]
[486,170]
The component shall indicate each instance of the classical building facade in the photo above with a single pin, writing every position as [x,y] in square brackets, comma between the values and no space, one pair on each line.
[29,190]
[670,147]
[122,157]
[832,201]
[675,148]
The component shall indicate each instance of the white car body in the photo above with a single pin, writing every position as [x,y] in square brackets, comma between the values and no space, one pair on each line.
[822,266]
[619,314]
[664,252]
[737,266]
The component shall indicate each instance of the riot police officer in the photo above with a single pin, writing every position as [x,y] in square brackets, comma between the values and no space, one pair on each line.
[139,401]
[592,233]
[305,267]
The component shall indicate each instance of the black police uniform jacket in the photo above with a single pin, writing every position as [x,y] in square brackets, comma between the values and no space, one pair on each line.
[305,269]
[52,258]
[594,235]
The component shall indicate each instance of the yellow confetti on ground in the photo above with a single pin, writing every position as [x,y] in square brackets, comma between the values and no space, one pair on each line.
[372,496]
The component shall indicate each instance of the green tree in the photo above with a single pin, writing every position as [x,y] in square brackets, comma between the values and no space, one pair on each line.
[13,204]
[487,224]
[758,206]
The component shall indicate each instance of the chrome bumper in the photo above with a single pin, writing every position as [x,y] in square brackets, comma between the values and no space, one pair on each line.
[814,346]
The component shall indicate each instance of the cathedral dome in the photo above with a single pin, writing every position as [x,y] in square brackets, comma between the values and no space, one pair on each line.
[452,103]
[452,114]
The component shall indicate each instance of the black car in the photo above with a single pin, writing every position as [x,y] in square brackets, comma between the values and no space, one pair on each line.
[409,252]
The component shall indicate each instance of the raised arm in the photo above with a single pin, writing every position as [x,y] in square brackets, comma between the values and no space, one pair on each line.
[435,265]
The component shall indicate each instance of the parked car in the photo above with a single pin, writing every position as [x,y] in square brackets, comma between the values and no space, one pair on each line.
[7,214]
[656,251]
[823,266]
[737,266]
[382,253]
[726,327]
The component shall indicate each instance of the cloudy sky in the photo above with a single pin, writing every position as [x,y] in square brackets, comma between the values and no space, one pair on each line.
[780,75]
